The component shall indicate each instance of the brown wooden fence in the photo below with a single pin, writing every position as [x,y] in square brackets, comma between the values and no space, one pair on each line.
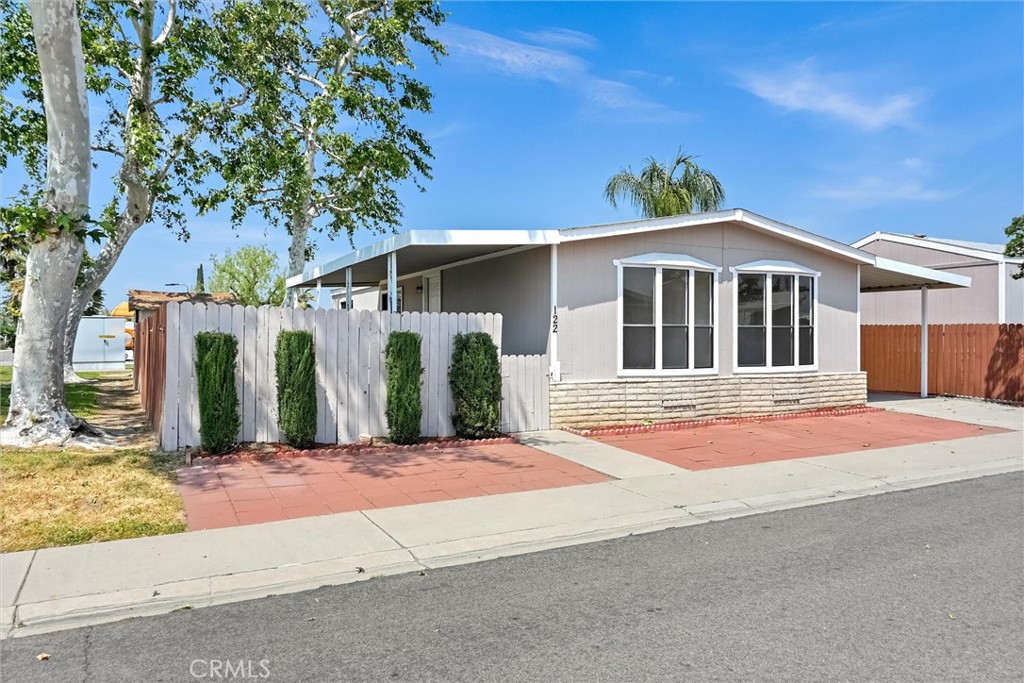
[151,364]
[986,361]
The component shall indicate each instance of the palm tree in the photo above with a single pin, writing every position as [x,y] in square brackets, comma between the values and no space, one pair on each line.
[656,190]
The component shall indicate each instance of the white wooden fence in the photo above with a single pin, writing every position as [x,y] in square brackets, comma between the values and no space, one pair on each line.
[524,393]
[349,347]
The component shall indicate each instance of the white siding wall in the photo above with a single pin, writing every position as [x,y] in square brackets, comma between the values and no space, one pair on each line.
[518,286]
[1014,296]
[587,293]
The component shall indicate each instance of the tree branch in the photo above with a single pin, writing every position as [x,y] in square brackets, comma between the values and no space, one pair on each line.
[172,11]
[192,133]
[109,149]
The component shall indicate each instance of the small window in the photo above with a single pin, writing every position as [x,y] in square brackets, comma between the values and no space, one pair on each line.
[775,318]
[667,318]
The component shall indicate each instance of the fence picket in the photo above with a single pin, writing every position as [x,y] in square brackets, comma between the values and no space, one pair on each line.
[169,427]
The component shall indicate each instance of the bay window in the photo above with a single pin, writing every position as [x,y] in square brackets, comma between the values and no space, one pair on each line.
[667,314]
[775,316]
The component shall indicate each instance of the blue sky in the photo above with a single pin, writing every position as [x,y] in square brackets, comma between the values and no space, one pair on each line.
[840,118]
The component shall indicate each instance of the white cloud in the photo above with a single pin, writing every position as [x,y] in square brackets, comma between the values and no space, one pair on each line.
[566,70]
[884,188]
[561,38]
[804,88]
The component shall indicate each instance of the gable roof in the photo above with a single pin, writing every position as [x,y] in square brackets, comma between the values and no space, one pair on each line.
[146,300]
[985,251]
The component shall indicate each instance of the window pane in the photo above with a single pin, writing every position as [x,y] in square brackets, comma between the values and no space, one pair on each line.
[638,348]
[782,300]
[703,353]
[674,351]
[751,350]
[751,300]
[806,299]
[638,296]
[673,296]
[806,346]
[782,346]
[702,293]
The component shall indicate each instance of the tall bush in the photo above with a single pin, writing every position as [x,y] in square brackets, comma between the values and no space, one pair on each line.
[216,357]
[475,379]
[404,406]
[296,387]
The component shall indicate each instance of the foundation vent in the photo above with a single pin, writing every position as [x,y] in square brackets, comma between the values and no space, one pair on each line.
[787,402]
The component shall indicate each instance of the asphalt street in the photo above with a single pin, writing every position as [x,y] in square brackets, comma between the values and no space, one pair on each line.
[921,585]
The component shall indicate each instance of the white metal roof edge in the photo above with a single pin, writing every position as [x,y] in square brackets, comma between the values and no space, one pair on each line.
[922,272]
[737,215]
[926,243]
[424,238]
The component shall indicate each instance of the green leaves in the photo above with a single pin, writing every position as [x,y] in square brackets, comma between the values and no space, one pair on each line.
[252,274]
[326,133]
[657,191]
[1015,245]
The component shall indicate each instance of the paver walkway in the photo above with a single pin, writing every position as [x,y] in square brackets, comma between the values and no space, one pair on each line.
[231,494]
[728,445]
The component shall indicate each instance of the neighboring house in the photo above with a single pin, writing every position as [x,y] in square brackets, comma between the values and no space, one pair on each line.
[993,297]
[144,303]
[363,299]
[664,319]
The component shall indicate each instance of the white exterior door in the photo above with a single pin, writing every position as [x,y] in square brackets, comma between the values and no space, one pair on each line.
[433,293]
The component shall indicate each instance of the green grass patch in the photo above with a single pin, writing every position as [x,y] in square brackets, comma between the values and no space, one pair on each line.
[81,397]
[65,497]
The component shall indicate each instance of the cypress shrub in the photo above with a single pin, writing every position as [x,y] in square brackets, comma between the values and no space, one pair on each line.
[475,379]
[404,407]
[216,357]
[296,387]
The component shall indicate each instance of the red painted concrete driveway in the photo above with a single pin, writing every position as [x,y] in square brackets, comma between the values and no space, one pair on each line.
[231,494]
[728,445]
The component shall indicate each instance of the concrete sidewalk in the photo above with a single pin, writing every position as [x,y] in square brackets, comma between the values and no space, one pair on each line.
[60,588]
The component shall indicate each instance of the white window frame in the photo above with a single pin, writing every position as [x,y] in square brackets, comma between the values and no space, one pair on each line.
[658,261]
[769,268]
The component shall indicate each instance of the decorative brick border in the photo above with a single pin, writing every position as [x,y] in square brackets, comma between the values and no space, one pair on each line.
[675,426]
[285,453]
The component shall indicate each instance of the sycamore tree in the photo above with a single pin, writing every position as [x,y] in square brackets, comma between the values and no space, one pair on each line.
[165,80]
[54,229]
[252,274]
[326,150]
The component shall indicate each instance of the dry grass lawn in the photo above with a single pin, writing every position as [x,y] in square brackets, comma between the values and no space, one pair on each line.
[53,497]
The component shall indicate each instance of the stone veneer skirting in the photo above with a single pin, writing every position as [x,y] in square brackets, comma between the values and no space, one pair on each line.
[639,400]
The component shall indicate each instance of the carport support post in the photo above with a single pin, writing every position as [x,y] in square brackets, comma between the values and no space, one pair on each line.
[924,342]
[348,289]
[392,282]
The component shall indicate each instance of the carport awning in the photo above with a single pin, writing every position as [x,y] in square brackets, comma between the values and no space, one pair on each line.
[418,251]
[886,275]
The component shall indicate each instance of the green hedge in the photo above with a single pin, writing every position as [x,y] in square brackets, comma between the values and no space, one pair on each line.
[404,406]
[296,387]
[216,357]
[475,379]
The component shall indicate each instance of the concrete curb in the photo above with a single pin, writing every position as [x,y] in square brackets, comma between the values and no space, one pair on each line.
[34,618]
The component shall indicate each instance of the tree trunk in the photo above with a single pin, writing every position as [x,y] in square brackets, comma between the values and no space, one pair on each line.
[300,224]
[302,219]
[38,410]
[125,226]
